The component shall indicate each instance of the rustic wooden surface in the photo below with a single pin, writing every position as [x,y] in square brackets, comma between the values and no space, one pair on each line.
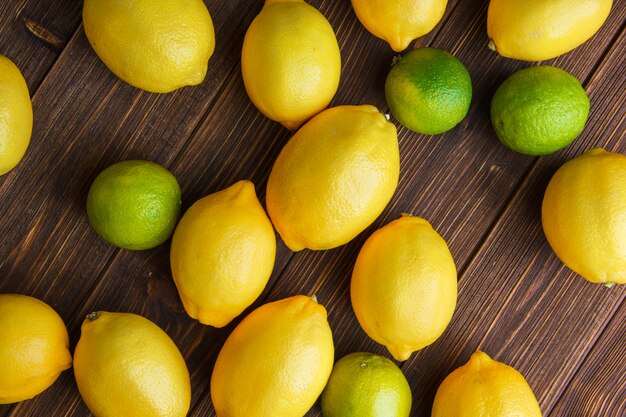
[516,300]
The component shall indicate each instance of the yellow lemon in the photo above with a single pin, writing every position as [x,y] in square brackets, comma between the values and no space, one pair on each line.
[535,30]
[584,215]
[404,286]
[276,362]
[126,366]
[399,22]
[290,62]
[334,177]
[222,255]
[155,45]
[486,388]
[16,115]
[33,347]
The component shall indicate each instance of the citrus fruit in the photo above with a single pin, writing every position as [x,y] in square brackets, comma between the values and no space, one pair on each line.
[33,347]
[584,215]
[155,45]
[404,286]
[134,204]
[16,115]
[539,110]
[486,388]
[290,62]
[428,91]
[366,385]
[536,30]
[125,365]
[399,22]
[276,362]
[222,254]
[333,178]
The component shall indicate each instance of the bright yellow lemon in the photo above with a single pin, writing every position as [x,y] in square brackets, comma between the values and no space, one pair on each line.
[334,177]
[276,362]
[223,254]
[290,62]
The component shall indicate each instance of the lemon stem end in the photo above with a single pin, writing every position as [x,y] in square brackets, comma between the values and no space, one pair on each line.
[93,316]
[492,45]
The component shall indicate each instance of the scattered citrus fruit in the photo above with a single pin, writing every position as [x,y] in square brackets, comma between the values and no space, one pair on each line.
[16,115]
[125,365]
[334,177]
[222,254]
[33,347]
[134,204]
[155,45]
[486,388]
[366,385]
[429,91]
[276,362]
[536,30]
[404,286]
[290,62]
[584,215]
[399,22]
[539,110]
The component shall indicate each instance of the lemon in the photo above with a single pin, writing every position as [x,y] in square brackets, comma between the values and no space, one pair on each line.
[584,215]
[290,62]
[366,385]
[536,30]
[276,362]
[429,91]
[155,45]
[404,287]
[134,204]
[222,255]
[486,388]
[33,347]
[399,22]
[539,110]
[334,177]
[126,366]
[16,115]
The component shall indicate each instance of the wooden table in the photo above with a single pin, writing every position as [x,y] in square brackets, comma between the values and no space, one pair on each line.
[516,299]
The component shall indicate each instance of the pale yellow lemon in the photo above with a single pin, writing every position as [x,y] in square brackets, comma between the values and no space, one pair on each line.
[33,347]
[404,286]
[486,388]
[155,45]
[536,30]
[222,254]
[334,177]
[126,366]
[401,21]
[584,215]
[16,115]
[290,62]
[276,362]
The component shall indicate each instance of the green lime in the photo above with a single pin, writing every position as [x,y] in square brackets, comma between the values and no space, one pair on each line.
[429,91]
[134,204]
[366,385]
[539,110]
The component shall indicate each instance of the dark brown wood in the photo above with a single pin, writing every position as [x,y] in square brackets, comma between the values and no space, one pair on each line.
[516,300]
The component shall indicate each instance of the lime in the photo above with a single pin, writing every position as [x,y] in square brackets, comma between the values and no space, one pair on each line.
[539,110]
[366,385]
[134,204]
[428,91]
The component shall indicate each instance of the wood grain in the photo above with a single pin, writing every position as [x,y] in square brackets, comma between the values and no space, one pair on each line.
[516,300]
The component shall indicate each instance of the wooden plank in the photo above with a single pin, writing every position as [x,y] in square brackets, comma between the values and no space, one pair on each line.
[218,153]
[33,34]
[599,386]
[517,301]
